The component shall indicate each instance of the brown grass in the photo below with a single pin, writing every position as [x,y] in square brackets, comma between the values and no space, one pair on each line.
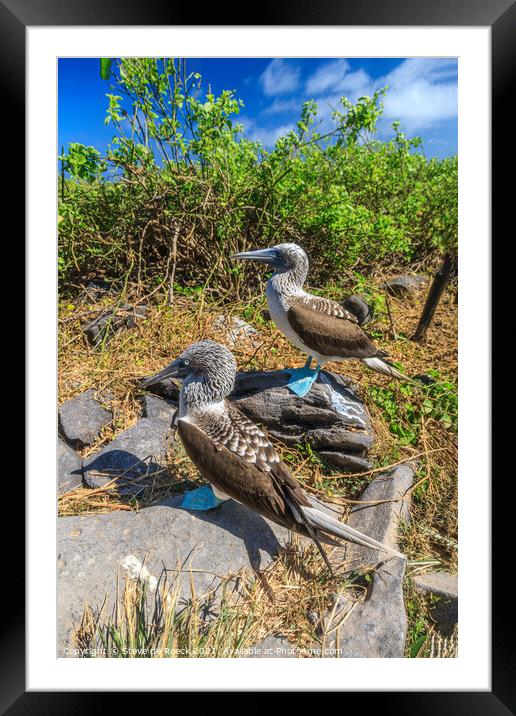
[283,599]
[290,597]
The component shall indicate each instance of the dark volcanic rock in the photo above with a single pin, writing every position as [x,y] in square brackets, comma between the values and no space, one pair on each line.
[167,389]
[93,292]
[69,468]
[376,627]
[81,419]
[331,418]
[405,283]
[133,458]
[154,407]
[346,462]
[359,308]
[110,322]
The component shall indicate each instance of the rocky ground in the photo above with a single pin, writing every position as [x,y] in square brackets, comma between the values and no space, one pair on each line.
[143,536]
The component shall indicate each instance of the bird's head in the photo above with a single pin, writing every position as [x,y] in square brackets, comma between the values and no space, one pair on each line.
[204,358]
[283,258]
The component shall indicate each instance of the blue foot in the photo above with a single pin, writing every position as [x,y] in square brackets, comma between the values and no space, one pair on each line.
[302,379]
[202,498]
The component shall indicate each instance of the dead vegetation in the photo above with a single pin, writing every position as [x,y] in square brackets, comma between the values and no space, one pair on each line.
[290,597]
[284,600]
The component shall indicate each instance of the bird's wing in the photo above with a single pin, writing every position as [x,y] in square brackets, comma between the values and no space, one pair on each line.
[326,328]
[326,306]
[238,459]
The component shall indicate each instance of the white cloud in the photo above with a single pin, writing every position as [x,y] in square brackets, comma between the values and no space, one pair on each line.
[268,136]
[422,94]
[337,77]
[432,68]
[422,91]
[279,77]
[283,105]
[357,83]
[327,77]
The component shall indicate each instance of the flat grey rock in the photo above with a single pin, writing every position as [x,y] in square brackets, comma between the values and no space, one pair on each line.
[381,520]
[69,468]
[272,647]
[155,407]
[131,460]
[81,419]
[405,284]
[444,586]
[377,626]
[93,548]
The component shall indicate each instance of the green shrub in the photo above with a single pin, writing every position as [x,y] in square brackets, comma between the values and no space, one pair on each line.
[180,168]
[404,406]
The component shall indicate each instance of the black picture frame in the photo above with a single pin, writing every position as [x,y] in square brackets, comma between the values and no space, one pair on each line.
[500,16]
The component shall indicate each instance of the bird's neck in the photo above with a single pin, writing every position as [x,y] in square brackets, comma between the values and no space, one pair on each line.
[289,282]
[202,390]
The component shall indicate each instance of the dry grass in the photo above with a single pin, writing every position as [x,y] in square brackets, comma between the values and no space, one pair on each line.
[159,623]
[284,599]
[290,598]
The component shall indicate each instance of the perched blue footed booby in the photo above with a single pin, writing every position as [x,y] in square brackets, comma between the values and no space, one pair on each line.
[318,326]
[236,457]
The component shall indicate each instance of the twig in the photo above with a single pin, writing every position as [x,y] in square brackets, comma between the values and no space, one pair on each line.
[345,500]
[386,467]
[174,263]
[269,346]
[393,330]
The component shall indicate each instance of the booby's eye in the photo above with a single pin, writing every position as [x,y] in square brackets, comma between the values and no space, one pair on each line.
[186,361]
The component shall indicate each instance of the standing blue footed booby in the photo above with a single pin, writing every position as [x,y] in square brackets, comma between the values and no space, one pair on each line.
[236,457]
[318,326]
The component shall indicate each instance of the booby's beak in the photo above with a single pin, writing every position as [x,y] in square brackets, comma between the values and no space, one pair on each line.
[176,369]
[266,256]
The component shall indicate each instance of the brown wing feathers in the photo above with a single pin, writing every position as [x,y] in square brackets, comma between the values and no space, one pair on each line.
[328,329]
[236,457]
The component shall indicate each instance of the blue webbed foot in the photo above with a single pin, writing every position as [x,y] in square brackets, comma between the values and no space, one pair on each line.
[202,499]
[302,379]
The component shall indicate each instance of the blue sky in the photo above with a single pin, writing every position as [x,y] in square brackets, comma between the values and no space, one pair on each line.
[422,95]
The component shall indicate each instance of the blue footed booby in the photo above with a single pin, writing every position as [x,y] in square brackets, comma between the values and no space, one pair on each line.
[236,457]
[318,326]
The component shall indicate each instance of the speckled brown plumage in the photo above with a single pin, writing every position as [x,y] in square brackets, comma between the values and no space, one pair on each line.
[239,460]
[328,333]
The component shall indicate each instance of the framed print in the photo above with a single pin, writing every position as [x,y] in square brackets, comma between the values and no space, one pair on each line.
[260,255]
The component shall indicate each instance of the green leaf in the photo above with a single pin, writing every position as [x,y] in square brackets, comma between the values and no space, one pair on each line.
[105,67]
[416,646]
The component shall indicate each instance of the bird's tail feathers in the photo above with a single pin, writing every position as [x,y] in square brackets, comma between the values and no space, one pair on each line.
[321,521]
[380,365]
